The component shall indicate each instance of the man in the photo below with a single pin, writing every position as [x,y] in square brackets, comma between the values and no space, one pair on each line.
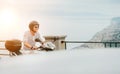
[31,35]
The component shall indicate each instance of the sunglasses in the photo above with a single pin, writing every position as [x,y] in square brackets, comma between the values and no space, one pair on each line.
[36,27]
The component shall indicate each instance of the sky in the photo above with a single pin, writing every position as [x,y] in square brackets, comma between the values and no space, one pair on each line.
[78,19]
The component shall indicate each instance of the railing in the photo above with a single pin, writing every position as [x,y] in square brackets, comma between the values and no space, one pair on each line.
[2,49]
[105,43]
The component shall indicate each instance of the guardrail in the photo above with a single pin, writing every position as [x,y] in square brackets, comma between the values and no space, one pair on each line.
[3,49]
[105,43]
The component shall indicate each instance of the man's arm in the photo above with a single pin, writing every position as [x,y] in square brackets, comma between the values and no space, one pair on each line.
[29,46]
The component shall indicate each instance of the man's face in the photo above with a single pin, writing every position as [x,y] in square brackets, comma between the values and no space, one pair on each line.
[35,28]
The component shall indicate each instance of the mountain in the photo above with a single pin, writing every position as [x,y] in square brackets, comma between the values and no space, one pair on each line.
[108,34]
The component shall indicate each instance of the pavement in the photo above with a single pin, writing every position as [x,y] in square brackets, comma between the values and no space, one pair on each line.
[81,61]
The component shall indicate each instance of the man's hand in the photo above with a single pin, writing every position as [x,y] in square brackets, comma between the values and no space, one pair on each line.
[34,48]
